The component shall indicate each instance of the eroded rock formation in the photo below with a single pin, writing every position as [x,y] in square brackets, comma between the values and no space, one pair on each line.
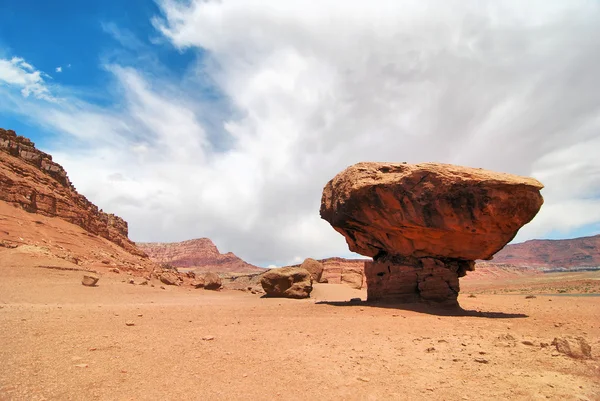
[425,224]
[30,180]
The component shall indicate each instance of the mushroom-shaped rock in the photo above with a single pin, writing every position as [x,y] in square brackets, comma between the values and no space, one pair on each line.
[314,267]
[415,219]
[90,279]
[287,282]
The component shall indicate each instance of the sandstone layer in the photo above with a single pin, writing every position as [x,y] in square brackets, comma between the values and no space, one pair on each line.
[200,253]
[30,180]
[426,224]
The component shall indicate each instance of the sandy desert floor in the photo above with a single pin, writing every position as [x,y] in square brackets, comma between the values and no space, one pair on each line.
[60,340]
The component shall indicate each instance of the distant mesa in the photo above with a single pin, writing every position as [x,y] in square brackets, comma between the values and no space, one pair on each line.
[546,254]
[201,254]
[425,224]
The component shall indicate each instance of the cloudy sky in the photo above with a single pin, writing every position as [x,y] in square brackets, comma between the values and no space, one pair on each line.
[225,119]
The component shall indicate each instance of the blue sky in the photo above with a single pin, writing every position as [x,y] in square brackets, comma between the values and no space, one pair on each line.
[226,118]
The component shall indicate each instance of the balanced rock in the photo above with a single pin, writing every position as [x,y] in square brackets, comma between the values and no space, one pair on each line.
[425,224]
[90,279]
[315,268]
[287,282]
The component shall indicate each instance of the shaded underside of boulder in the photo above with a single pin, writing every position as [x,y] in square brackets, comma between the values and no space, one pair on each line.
[287,282]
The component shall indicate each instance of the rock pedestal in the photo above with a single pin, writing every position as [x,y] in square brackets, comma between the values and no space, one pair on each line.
[425,224]
[408,280]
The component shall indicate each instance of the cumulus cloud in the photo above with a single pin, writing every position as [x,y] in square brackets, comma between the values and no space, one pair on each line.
[58,69]
[18,73]
[307,89]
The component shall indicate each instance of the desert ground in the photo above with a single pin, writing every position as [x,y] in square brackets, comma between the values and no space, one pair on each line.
[118,341]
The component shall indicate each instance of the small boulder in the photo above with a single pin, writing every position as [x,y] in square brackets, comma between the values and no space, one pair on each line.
[287,282]
[90,279]
[169,278]
[314,267]
[209,280]
[574,347]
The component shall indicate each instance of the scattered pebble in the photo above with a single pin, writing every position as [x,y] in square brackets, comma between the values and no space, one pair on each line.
[129,323]
[208,338]
[481,360]
[527,342]
[364,379]
[81,365]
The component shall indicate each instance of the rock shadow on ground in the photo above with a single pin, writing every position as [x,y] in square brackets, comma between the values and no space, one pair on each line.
[456,311]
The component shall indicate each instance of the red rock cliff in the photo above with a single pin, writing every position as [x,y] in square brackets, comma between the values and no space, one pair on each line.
[30,180]
[200,253]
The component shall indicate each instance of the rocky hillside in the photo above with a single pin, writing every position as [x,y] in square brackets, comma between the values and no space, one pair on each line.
[553,254]
[39,206]
[198,253]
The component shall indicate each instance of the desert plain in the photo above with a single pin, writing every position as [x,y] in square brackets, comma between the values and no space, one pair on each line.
[121,341]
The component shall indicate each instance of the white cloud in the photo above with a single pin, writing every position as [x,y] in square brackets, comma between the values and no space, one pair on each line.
[58,69]
[17,73]
[311,89]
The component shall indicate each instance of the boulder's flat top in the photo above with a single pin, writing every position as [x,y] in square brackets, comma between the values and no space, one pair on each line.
[428,209]
[62,341]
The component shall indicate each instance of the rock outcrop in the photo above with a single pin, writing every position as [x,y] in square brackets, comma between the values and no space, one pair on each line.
[196,253]
[287,282]
[30,180]
[425,224]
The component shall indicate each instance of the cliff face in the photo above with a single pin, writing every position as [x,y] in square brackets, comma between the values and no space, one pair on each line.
[566,253]
[198,253]
[30,180]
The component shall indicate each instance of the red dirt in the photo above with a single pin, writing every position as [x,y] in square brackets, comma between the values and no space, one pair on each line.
[63,341]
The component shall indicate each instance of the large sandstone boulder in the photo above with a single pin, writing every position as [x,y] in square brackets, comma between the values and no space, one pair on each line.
[425,224]
[428,209]
[287,282]
[315,268]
